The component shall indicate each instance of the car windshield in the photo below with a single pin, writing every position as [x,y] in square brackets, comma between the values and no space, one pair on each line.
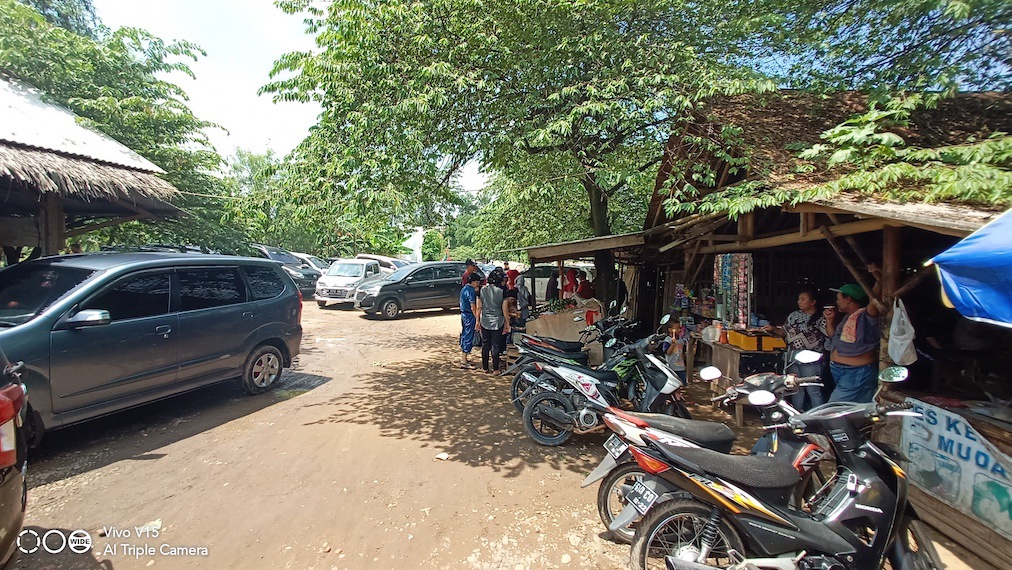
[398,263]
[401,273]
[26,289]
[346,270]
[318,262]
[283,256]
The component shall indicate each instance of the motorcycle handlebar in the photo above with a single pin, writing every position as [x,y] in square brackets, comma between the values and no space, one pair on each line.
[893,407]
[774,427]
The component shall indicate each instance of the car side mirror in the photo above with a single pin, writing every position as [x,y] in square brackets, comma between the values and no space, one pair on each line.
[89,318]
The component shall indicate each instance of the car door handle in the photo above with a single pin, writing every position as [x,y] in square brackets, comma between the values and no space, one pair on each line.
[247,315]
[163,330]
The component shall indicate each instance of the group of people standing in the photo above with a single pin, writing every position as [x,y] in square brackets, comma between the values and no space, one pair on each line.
[848,330]
[575,283]
[490,309]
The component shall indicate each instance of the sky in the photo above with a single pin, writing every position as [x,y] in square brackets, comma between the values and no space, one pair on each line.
[243,39]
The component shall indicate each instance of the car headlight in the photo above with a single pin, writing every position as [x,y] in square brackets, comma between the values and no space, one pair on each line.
[294,273]
[371,289]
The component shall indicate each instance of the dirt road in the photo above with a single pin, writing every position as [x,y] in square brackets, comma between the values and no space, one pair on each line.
[336,468]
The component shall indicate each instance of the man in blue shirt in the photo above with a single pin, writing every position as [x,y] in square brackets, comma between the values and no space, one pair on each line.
[468,310]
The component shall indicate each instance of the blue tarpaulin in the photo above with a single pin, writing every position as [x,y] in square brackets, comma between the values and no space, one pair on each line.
[976,273]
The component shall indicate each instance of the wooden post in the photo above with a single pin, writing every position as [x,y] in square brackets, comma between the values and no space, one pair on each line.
[890,262]
[560,278]
[890,284]
[53,223]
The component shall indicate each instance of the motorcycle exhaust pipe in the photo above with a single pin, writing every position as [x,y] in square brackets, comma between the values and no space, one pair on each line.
[558,417]
[673,563]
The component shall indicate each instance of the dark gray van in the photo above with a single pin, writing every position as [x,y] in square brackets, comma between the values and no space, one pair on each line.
[108,331]
[429,285]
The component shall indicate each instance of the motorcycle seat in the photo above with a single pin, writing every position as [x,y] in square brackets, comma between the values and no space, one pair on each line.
[563,345]
[711,435]
[755,471]
[607,376]
[581,357]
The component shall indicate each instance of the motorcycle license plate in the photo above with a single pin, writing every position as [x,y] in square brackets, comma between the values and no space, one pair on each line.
[641,498]
[615,446]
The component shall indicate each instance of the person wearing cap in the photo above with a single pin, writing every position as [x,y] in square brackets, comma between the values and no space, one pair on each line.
[469,267]
[853,344]
[468,310]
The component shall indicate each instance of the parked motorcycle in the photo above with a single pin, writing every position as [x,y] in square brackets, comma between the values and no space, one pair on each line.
[622,478]
[740,515]
[567,400]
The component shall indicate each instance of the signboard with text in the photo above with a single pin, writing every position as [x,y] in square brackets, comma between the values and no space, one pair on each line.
[954,463]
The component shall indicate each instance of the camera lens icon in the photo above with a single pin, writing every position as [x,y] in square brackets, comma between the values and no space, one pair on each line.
[54,541]
[79,541]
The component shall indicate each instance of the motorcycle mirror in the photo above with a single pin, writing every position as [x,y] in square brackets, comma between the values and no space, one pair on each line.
[624,309]
[613,304]
[710,373]
[762,398]
[808,356]
[611,342]
[893,374]
[665,319]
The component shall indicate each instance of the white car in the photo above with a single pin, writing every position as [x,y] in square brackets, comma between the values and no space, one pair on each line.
[312,261]
[343,278]
[387,264]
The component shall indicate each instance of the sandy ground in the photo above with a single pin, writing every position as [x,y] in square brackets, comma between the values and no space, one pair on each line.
[336,468]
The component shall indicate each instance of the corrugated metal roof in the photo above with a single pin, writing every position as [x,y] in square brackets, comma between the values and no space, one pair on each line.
[30,121]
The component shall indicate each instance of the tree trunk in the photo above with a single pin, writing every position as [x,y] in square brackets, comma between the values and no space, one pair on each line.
[605,283]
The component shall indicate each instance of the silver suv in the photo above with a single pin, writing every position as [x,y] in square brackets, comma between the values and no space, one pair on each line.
[343,278]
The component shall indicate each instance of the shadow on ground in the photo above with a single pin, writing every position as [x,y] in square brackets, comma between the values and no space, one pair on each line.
[466,414]
[134,434]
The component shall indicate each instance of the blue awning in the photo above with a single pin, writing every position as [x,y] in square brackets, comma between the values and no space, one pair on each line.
[976,273]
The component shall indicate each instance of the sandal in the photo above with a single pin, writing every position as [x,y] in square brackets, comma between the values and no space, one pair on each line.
[497,373]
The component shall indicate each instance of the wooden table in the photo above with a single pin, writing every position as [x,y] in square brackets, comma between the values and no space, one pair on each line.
[737,363]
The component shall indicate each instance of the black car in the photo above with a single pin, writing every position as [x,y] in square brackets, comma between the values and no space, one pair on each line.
[13,457]
[300,272]
[430,285]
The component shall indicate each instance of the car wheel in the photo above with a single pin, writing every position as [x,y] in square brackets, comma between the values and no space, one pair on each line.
[390,309]
[321,304]
[262,370]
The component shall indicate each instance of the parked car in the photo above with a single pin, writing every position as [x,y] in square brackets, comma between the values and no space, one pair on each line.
[430,285]
[13,457]
[108,331]
[300,272]
[343,278]
[387,264]
[312,261]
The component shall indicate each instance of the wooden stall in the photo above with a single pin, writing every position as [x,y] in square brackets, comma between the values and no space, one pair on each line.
[59,180]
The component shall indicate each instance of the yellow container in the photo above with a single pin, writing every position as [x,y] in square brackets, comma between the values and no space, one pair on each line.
[742,340]
[771,343]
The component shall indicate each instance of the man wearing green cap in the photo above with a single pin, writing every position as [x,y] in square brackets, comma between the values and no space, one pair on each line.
[854,342]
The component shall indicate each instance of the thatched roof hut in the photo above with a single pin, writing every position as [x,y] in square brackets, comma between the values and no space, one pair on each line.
[52,167]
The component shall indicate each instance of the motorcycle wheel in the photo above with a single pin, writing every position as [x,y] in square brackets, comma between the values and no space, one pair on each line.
[913,548]
[674,529]
[611,498]
[522,380]
[542,432]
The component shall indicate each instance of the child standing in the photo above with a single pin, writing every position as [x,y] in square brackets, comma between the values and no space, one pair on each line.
[674,348]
